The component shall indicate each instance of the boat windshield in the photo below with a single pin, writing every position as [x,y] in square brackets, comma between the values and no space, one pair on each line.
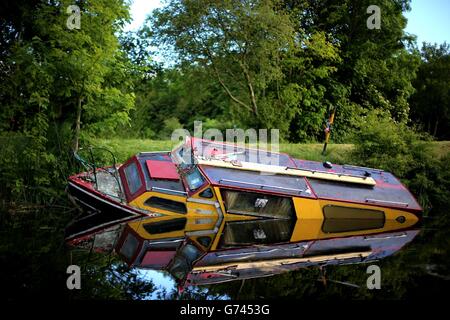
[194,179]
[182,156]
[182,263]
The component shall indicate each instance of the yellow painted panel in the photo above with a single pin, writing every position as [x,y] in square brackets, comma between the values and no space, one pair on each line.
[201,209]
[222,225]
[137,226]
[193,223]
[192,207]
[197,194]
[139,202]
[310,219]
[200,216]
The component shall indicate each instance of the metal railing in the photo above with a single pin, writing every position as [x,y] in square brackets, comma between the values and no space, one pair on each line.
[262,186]
[91,166]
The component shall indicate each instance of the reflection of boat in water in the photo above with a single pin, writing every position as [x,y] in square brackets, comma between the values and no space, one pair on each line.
[209,212]
[217,267]
[193,257]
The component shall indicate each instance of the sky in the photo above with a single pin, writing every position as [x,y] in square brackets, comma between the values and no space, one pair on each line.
[160,279]
[429,20]
[139,11]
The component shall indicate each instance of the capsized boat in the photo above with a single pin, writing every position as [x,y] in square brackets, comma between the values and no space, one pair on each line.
[209,212]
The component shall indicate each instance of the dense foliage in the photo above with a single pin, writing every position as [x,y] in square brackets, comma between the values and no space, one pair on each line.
[430,104]
[286,65]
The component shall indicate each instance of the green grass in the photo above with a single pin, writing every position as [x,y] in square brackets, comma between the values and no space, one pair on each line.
[441,148]
[336,153]
[313,151]
[125,148]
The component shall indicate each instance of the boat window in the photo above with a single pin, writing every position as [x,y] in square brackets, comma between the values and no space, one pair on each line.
[258,204]
[133,179]
[194,179]
[346,219]
[211,149]
[129,246]
[179,268]
[165,226]
[183,261]
[166,204]
[183,156]
[204,241]
[261,231]
[207,193]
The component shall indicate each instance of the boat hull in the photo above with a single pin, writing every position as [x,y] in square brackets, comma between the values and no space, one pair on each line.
[97,212]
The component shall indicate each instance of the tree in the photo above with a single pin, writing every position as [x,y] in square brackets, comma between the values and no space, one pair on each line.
[268,69]
[57,84]
[54,73]
[240,42]
[286,64]
[375,68]
[90,66]
[430,104]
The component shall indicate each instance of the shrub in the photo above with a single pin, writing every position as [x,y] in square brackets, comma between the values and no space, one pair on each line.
[394,147]
[170,125]
[383,143]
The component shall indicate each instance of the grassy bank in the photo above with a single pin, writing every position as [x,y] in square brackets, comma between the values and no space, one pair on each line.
[124,148]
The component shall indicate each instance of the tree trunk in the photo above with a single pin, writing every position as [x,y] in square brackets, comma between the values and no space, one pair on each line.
[77,126]
[250,88]
[216,71]
[435,127]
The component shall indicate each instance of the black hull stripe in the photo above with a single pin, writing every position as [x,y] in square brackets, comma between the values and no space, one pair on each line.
[107,213]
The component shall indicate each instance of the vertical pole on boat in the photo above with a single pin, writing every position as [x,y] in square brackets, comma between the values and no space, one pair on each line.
[328,130]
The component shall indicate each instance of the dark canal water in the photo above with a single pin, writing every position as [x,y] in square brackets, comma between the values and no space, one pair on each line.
[34,259]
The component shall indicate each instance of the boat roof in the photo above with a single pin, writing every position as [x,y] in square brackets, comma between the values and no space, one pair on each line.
[158,169]
[240,166]
[251,262]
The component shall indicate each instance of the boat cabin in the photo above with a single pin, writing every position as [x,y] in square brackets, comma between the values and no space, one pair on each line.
[204,206]
[208,181]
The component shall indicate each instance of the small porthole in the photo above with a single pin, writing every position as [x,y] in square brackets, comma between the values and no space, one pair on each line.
[207,193]
[166,204]
[401,219]
[165,226]
[204,241]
